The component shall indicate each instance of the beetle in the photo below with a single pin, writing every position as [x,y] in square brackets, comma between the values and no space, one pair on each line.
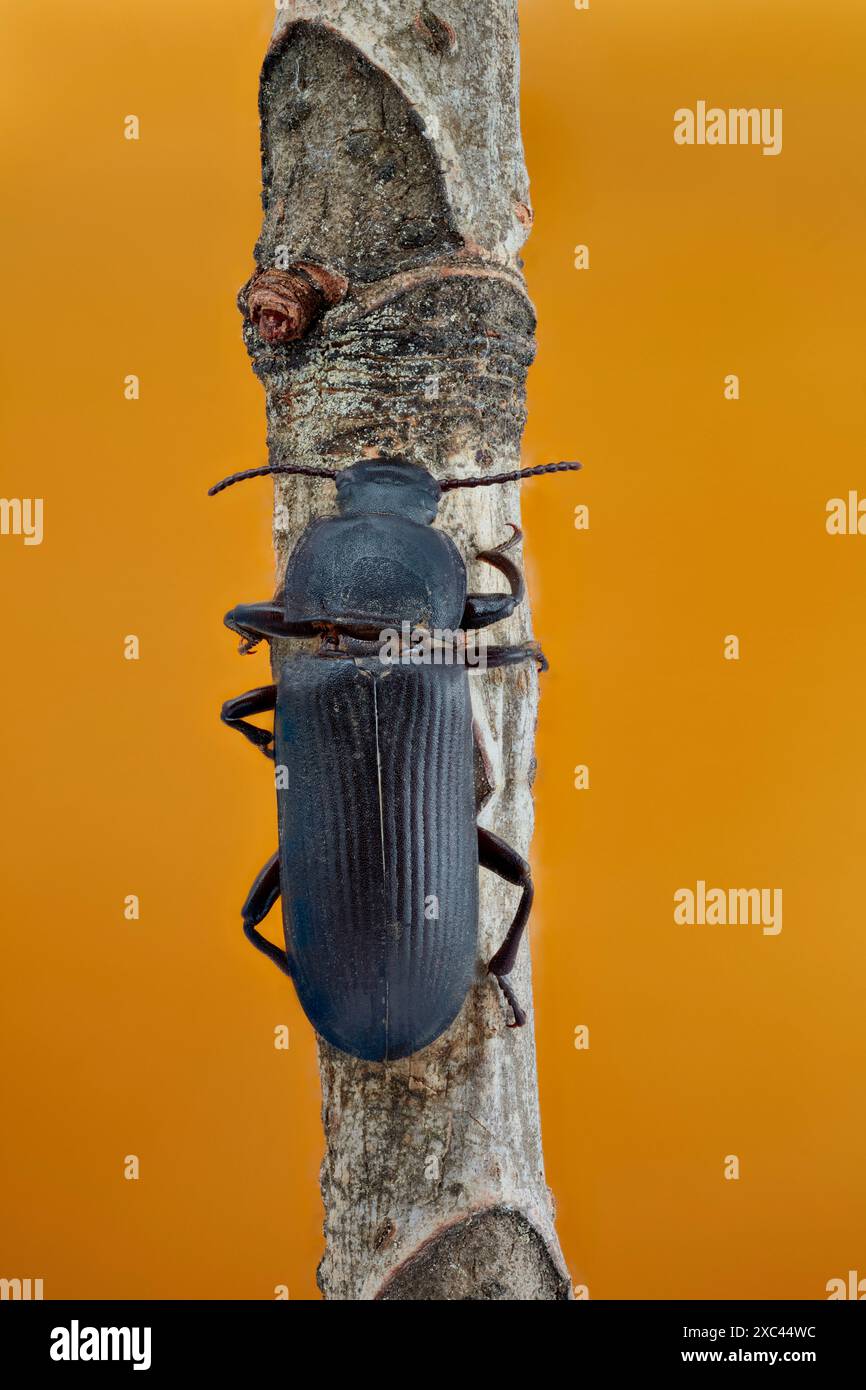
[379,847]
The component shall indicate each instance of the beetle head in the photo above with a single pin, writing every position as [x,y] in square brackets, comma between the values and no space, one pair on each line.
[388,485]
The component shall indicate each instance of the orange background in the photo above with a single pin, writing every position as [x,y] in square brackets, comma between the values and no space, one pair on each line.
[707,518]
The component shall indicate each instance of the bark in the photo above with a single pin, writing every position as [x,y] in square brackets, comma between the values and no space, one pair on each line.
[388,314]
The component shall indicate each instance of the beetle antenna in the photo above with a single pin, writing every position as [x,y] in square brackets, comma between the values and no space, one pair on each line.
[448,483]
[297,468]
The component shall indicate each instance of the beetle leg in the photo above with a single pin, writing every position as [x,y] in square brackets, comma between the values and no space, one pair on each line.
[510,656]
[496,855]
[255,621]
[483,609]
[260,900]
[252,702]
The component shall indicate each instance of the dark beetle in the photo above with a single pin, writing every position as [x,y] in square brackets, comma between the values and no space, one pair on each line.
[379,848]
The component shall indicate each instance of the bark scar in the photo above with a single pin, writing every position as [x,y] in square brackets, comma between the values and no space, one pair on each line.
[439,36]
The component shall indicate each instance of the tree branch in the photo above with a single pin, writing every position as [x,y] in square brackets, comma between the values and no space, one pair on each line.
[395,205]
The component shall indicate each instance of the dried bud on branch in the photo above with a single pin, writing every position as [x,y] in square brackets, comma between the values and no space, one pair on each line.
[283,305]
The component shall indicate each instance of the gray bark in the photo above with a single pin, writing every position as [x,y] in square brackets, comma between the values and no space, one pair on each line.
[393,318]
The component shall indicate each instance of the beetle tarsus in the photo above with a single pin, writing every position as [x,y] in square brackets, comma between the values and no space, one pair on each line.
[511,1000]
[496,550]
[495,657]
[482,610]
[501,859]
[260,900]
[259,701]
